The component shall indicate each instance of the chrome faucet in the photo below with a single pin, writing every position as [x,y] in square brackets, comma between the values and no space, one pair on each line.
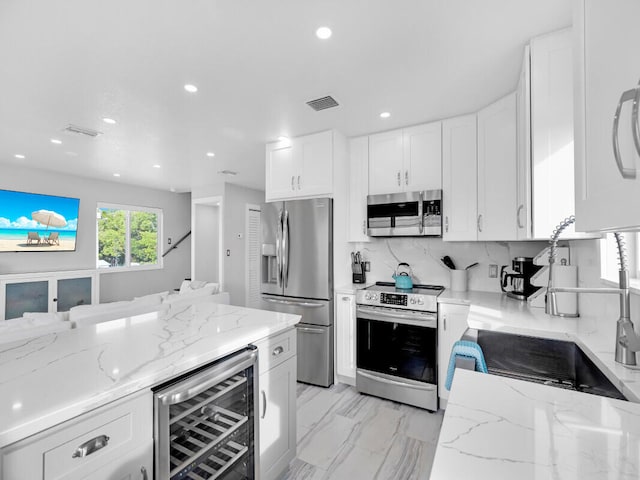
[627,340]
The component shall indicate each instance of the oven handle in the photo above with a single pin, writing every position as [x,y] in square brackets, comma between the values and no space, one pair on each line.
[376,314]
[195,385]
[395,382]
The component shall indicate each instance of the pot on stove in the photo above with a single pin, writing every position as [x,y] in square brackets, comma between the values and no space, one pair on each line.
[402,276]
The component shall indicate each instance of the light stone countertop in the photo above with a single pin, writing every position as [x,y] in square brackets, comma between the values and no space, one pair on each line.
[50,379]
[500,428]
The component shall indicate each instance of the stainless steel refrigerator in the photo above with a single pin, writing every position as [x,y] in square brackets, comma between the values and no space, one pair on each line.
[297,277]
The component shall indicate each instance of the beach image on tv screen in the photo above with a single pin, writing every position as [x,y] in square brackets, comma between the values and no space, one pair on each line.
[37,223]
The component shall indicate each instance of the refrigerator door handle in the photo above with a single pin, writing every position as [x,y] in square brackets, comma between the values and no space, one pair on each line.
[279,248]
[285,248]
[292,302]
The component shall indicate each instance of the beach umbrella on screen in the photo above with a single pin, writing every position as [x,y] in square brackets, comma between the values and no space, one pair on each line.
[49,218]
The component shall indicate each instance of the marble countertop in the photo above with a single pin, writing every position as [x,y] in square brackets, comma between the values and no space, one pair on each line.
[500,428]
[53,378]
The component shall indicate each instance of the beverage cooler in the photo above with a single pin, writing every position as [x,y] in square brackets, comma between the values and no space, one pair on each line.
[205,423]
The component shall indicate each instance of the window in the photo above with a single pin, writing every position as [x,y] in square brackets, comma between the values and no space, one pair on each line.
[128,237]
[609,257]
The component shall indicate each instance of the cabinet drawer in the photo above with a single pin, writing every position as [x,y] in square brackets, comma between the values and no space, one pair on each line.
[274,350]
[50,455]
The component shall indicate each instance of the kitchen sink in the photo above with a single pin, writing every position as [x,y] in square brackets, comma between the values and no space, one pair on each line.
[557,363]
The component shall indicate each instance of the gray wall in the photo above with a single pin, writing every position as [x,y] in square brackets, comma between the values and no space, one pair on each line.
[113,286]
[206,243]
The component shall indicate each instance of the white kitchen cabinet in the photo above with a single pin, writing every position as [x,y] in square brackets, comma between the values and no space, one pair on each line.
[358,189]
[300,168]
[607,65]
[346,337]
[125,427]
[277,408]
[497,152]
[406,160]
[46,292]
[523,140]
[452,322]
[459,178]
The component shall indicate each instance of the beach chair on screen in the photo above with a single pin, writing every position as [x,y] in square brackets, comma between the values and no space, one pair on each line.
[33,237]
[53,238]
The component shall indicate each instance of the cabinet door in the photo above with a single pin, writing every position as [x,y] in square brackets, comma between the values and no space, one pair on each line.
[358,189]
[72,292]
[607,65]
[497,200]
[385,163]
[552,132]
[345,337]
[314,155]
[136,465]
[523,168]
[277,419]
[459,178]
[22,296]
[280,172]
[422,157]
[452,322]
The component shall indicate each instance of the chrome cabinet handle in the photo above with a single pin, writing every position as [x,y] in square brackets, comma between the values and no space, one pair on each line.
[399,182]
[264,404]
[298,182]
[364,227]
[406,177]
[91,446]
[292,182]
[444,320]
[480,223]
[626,172]
[143,471]
[277,351]
[635,126]
[446,223]
[520,208]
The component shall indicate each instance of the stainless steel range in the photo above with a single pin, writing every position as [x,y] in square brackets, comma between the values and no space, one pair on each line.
[396,343]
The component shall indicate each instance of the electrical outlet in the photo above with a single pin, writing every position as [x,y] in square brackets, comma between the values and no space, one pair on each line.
[493,271]
[169,241]
[367,266]
[228,253]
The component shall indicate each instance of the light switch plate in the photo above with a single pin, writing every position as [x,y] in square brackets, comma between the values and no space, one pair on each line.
[493,270]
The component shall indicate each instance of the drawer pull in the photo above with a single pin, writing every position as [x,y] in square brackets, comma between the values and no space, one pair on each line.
[264,404]
[90,446]
[277,351]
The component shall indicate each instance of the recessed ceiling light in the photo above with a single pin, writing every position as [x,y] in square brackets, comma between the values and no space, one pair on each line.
[19,155]
[116,174]
[190,88]
[110,121]
[16,406]
[323,33]
[385,115]
[211,154]
[157,166]
[56,141]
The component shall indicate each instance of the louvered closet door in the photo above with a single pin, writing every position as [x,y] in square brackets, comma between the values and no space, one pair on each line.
[252,294]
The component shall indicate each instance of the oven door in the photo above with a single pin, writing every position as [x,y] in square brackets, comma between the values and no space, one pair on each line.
[396,357]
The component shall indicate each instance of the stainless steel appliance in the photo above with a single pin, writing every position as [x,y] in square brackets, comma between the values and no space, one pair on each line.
[206,423]
[520,278]
[297,277]
[405,214]
[396,343]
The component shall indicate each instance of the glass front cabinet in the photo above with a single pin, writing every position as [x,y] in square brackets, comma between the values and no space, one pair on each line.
[46,292]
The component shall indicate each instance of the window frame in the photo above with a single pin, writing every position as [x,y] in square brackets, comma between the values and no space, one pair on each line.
[127,243]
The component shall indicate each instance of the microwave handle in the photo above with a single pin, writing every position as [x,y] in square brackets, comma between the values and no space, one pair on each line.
[421,213]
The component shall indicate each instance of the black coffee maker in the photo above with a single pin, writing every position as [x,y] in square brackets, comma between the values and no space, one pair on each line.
[520,278]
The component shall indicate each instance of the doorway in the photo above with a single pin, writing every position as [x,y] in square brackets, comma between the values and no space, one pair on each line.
[206,240]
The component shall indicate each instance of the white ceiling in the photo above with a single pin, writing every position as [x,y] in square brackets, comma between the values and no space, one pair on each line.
[255,63]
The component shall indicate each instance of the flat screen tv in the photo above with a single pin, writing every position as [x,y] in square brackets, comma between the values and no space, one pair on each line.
[31,222]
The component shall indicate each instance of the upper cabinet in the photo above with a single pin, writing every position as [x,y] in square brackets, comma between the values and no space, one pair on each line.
[459,178]
[406,160]
[523,140]
[300,168]
[607,144]
[497,154]
[358,185]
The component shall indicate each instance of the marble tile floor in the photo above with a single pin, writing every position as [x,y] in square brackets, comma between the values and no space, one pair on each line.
[345,435]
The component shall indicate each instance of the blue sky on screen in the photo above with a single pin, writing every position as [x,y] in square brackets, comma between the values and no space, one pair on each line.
[16,209]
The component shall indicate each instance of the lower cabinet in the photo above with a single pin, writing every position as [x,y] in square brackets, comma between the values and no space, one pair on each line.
[345,324]
[452,322]
[277,384]
[114,442]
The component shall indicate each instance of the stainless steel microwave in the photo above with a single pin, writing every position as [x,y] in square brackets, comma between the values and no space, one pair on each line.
[407,214]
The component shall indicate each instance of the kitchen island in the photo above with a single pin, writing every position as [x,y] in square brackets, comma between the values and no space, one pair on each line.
[502,428]
[52,379]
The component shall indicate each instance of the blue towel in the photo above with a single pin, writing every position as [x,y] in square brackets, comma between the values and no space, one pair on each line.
[467,349]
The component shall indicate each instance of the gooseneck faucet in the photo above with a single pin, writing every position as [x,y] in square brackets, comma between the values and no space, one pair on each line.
[627,341]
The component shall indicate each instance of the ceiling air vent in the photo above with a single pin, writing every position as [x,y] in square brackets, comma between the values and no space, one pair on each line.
[323,103]
[82,131]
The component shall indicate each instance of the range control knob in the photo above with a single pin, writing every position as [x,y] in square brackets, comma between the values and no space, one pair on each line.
[367,296]
[420,301]
[412,301]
